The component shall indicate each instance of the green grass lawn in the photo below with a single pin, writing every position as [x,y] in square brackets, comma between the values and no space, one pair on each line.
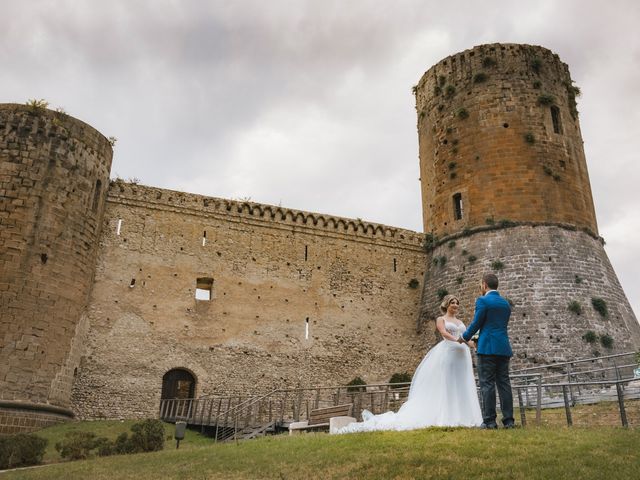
[470,454]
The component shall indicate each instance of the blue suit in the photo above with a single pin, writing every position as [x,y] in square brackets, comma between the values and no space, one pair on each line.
[491,318]
[494,353]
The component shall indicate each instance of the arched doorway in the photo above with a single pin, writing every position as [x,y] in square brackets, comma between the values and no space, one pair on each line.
[178,383]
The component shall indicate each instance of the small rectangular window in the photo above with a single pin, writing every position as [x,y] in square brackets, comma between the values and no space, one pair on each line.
[204,286]
[119,226]
[555,118]
[457,206]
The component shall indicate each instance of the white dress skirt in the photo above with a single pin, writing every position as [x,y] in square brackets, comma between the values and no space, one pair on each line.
[442,394]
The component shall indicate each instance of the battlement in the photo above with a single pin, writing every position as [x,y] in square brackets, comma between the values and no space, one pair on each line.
[244,211]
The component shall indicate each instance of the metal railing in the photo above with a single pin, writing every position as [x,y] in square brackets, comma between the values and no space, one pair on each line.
[535,388]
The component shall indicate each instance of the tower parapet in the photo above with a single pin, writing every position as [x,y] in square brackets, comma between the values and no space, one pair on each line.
[54,174]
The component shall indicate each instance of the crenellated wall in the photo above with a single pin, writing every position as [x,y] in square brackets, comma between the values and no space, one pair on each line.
[272,269]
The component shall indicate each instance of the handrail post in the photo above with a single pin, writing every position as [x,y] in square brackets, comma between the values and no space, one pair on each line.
[623,412]
[567,408]
[523,415]
[539,400]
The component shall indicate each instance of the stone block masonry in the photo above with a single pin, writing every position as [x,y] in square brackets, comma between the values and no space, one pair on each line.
[54,170]
[271,271]
[542,269]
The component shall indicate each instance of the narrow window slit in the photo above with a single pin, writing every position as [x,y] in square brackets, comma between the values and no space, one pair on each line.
[119,227]
[306,253]
[555,118]
[395,265]
[306,329]
[204,238]
[133,283]
[457,206]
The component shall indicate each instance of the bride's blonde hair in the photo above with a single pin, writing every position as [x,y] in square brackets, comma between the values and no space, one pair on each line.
[446,301]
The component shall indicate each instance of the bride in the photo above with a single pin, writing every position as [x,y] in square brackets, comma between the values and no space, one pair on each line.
[443,390]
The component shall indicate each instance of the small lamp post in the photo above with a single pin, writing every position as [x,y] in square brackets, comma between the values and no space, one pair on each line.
[181,427]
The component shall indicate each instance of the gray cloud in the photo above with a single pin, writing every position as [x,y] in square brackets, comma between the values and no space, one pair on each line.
[308,103]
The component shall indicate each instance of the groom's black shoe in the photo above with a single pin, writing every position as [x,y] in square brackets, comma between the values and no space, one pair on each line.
[489,426]
[510,425]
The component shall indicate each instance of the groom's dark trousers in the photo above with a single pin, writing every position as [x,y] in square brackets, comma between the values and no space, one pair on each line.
[493,370]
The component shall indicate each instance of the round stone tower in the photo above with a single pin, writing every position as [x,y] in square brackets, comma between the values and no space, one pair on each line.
[505,189]
[54,174]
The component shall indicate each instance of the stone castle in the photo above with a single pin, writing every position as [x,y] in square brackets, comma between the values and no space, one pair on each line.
[114,295]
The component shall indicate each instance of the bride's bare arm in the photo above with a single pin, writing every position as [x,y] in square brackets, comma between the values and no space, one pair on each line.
[443,331]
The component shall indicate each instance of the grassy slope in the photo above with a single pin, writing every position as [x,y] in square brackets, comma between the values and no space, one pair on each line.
[533,453]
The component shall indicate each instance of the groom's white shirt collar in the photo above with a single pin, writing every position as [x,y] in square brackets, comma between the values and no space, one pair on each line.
[489,291]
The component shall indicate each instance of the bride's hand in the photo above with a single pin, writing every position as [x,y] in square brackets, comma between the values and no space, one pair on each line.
[471,344]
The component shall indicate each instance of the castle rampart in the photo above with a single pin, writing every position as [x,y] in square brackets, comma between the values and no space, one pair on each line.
[271,272]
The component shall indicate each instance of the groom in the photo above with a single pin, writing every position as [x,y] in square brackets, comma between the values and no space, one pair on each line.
[494,352]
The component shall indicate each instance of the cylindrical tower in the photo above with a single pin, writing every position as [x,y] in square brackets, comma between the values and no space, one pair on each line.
[505,188]
[54,173]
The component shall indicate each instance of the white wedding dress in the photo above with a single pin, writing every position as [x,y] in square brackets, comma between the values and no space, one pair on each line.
[442,394]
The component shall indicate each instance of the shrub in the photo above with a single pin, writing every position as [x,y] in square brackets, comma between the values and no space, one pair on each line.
[537,84]
[403,377]
[472,258]
[414,283]
[578,279]
[497,265]
[489,221]
[437,90]
[123,444]
[442,80]
[480,77]
[488,62]
[451,244]
[104,447]
[464,252]
[430,241]
[354,385]
[452,165]
[36,104]
[505,222]
[546,100]
[590,336]
[453,175]
[442,292]
[606,341]
[575,307]
[529,138]
[442,260]
[536,65]
[414,89]
[459,280]
[449,90]
[21,450]
[76,445]
[600,306]
[462,113]
[547,170]
[147,436]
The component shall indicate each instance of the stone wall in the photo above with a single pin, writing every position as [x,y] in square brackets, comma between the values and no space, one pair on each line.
[272,269]
[487,133]
[541,270]
[53,175]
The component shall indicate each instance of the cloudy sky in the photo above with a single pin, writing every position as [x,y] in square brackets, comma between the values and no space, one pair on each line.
[308,104]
